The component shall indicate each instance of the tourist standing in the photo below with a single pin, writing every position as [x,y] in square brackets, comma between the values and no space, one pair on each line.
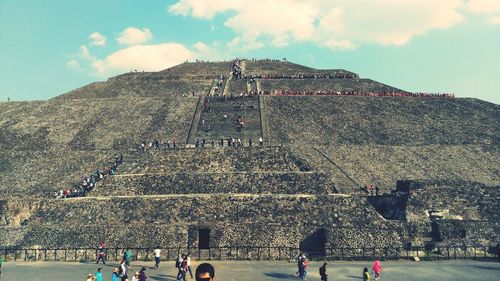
[127,256]
[142,274]
[377,269]
[157,253]
[322,272]
[101,253]
[299,265]
[366,275]
[123,273]
[305,265]
[178,264]
[182,269]
[188,260]
[98,274]
[115,275]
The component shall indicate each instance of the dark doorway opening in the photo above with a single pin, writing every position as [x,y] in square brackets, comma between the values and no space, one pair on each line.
[204,238]
[314,243]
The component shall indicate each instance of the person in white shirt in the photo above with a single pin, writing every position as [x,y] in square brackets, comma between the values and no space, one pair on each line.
[157,253]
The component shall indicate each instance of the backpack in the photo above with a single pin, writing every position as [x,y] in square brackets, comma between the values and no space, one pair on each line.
[177,264]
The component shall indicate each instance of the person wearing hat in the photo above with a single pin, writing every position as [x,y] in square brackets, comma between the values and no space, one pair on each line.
[90,277]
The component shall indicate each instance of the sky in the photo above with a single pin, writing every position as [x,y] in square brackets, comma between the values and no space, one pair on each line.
[49,47]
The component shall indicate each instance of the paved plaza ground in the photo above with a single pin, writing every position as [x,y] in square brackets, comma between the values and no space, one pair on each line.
[265,270]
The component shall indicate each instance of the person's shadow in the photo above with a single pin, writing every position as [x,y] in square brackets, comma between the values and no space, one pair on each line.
[280,275]
[356,277]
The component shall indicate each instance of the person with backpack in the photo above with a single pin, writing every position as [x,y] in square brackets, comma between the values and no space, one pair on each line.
[366,275]
[127,257]
[183,268]
[178,263]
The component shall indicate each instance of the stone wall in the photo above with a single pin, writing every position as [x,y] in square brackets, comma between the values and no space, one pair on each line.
[214,160]
[466,232]
[387,120]
[93,124]
[458,199]
[249,220]
[139,86]
[240,182]
[325,85]
[384,165]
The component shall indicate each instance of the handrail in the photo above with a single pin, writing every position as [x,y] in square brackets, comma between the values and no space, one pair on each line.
[253,253]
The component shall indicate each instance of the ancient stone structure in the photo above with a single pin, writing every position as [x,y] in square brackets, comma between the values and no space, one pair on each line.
[303,188]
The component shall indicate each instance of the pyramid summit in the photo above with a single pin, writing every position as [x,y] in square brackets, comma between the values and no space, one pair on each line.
[249,153]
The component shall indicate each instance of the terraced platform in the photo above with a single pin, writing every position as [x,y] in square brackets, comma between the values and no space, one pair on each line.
[302,189]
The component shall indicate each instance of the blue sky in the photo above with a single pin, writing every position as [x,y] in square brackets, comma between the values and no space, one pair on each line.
[48,47]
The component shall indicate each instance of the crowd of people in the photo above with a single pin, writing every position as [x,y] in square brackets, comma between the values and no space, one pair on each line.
[303,267]
[355,93]
[338,75]
[219,85]
[88,183]
[372,189]
[158,144]
[183,265]
[229,142]
[204,271]
[236,69]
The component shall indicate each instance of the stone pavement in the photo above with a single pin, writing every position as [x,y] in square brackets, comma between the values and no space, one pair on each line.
[266,270]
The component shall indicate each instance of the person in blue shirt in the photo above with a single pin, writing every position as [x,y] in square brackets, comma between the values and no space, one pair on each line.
[98,274]
[115,276]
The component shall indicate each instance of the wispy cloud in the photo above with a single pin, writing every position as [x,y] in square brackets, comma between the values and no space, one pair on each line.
[97,39]
[134,36]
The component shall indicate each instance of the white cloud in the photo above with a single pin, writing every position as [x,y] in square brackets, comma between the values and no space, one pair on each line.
[97,39]
[134,36]
[73,64]
[85,53]
[245,43]
[143,58]
[490,9]
[211,52]
[204,9]
[341,24]
[484,6]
